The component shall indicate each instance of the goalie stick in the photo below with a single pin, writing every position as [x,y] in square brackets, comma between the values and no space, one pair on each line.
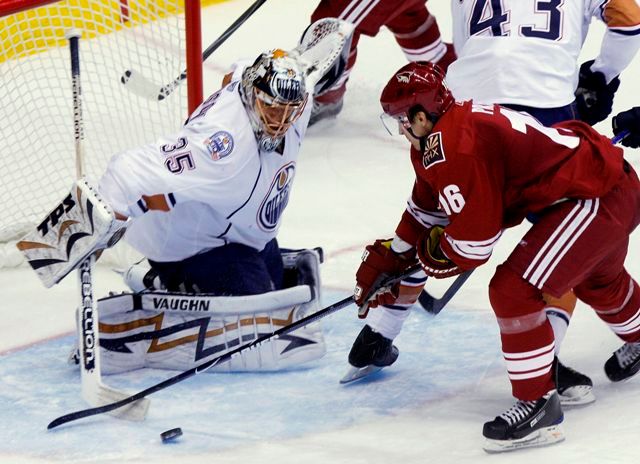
[94,391]
[435,305]
[144,87]
[223,358]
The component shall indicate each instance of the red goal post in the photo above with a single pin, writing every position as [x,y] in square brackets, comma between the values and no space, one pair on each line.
[157,38]
[8,7]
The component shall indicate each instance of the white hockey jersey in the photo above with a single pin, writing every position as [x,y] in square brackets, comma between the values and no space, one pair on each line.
[207,185]
[525,52]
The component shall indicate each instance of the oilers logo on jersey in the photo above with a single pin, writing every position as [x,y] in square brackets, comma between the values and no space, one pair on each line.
[219,145]
[277,198]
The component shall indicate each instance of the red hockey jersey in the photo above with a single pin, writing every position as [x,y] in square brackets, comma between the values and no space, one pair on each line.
[487,167]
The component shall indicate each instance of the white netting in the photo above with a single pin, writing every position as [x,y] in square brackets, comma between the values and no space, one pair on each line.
[36,107]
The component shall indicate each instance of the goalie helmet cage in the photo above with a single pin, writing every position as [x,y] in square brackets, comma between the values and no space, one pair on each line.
[156,38]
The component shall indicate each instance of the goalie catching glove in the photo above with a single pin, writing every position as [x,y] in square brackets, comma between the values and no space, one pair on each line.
[433,260]
[379,262]
[82,224]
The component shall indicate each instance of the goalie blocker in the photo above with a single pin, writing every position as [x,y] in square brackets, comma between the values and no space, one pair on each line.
[80,225]
[177,331]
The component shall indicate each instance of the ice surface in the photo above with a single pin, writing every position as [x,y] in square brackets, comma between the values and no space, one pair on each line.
[352,184]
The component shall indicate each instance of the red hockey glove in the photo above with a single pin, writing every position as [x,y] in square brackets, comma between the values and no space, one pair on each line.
[378,263]
[431,257]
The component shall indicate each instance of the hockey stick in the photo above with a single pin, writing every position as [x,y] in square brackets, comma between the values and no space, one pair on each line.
[618,138]
[221,359]
[94,391]
[144,87]
[435,305]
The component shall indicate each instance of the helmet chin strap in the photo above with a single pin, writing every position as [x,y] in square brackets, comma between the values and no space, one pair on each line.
[423,140]
[423,143]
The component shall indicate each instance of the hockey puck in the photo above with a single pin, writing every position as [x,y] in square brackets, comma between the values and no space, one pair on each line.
[170,435]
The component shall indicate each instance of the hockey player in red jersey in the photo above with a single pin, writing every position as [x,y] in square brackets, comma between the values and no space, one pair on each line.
[485,168]
[413,27]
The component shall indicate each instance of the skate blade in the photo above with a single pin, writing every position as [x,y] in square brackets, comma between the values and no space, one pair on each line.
[357,373]
[542,437]
[577,396]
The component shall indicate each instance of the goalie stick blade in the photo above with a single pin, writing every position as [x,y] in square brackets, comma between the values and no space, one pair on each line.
[136,411]
[137,403]
[542,437]
[356,373]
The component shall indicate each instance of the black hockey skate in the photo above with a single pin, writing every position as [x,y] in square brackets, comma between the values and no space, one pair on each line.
[322,111]
[624,363]
[526,424]
[574,388]
[370,353]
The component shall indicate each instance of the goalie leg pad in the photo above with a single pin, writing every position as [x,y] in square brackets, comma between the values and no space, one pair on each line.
[178,331]
[182,340]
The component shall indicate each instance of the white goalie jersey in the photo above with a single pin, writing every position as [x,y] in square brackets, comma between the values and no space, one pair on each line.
[206,186]
[525,52]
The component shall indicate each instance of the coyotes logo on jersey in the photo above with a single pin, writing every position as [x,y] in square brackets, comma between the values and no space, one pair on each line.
[433,152]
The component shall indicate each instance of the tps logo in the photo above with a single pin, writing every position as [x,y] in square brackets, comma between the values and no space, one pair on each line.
[276,199]
[219,145]
[53,218]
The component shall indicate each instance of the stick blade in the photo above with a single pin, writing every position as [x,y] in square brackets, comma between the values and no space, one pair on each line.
[140,85]
[427,302]
[435,305]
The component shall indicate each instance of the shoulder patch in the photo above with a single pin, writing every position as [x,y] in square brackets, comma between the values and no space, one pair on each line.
[433,152]
[219,145]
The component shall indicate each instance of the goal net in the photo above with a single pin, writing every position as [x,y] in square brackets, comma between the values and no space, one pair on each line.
[36,106]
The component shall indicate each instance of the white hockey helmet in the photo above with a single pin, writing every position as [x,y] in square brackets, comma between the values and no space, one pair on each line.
[274,93]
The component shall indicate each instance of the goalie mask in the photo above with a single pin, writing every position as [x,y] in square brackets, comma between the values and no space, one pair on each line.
[274,94]
[416,86]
